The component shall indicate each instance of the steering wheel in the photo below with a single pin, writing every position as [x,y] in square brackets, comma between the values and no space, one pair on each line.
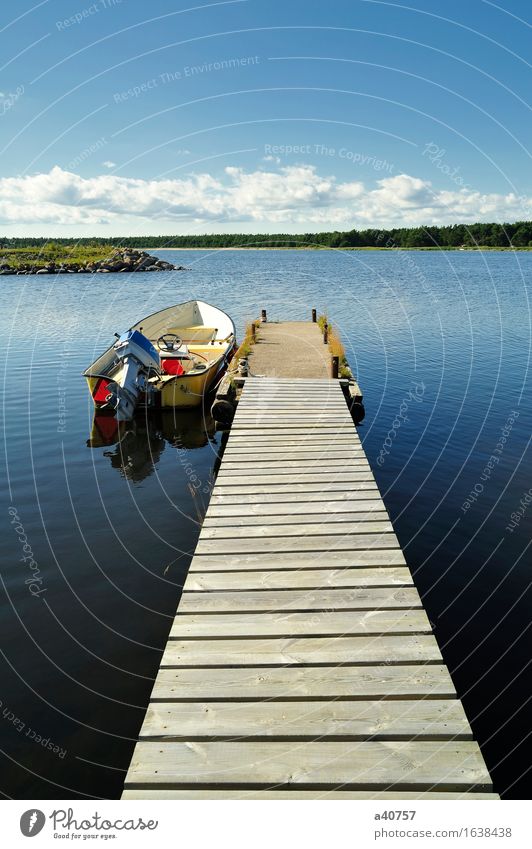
[169,342]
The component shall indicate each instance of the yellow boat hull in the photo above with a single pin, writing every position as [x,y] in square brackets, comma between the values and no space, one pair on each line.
[187,391]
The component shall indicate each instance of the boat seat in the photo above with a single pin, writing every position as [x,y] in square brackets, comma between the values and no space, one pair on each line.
[195,333]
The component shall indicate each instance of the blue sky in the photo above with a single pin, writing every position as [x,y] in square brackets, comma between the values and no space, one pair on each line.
[126,117]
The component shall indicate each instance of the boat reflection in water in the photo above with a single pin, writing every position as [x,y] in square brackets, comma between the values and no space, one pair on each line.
[139,443]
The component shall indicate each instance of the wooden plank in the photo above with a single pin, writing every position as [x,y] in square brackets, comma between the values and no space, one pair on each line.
[287,600]
[316,410]
[294,463]
[214,626]
[294,468]
[325,543]
[258,388]
[285,453]
[270,417]
[284,382]
[402,765]
[311,477]
[348,427]
[251,451]
[270,453]
[274,444]
[306,399]
[271,420]
[307,461]
[304,424]
[333,433]
[279,442]
[293,427]
[319,464]
[301,419]
[303,409]
[293,795]
[239,455]
[287,382]
[244,683]
[296,419]
[284,443]
[424,719]
[272,430]
[298,578]
[261,383]
[251,391]
[261,560]
[369,650]
[301,399]
[362,490]
[340,517]
[291,384]
[293,414]
[277,512]
[276,419]
[350,436]
[306,488]
[250,531]
[298,398]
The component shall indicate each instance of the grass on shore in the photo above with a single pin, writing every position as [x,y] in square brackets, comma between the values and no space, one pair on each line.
[52,252]
[336,346]
[246,345]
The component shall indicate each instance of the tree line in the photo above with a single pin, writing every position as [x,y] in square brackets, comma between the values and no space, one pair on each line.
[518,235]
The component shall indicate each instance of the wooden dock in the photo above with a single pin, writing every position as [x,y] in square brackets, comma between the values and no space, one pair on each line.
[301,663]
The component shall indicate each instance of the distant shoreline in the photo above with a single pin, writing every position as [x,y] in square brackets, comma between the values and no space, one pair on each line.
[449,237]
[478,249]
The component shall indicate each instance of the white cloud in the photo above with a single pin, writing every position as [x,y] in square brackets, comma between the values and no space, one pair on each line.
[294,197]
[108,164]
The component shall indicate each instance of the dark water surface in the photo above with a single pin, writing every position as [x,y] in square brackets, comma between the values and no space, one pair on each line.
[441,345]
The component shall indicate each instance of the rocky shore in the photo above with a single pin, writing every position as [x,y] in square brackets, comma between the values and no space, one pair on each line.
[123,260]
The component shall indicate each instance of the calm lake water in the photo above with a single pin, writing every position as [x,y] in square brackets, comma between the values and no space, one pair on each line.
[441,345]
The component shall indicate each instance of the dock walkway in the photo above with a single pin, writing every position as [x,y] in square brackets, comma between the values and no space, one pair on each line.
[301,663]
[292,349]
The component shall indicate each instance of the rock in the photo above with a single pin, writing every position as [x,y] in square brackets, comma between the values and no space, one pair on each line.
[144,263]
[122,260]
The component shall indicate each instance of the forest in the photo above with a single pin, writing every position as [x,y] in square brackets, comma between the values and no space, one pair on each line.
[517,235]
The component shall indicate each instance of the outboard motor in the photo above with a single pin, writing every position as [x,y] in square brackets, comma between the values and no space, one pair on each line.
[140,360]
